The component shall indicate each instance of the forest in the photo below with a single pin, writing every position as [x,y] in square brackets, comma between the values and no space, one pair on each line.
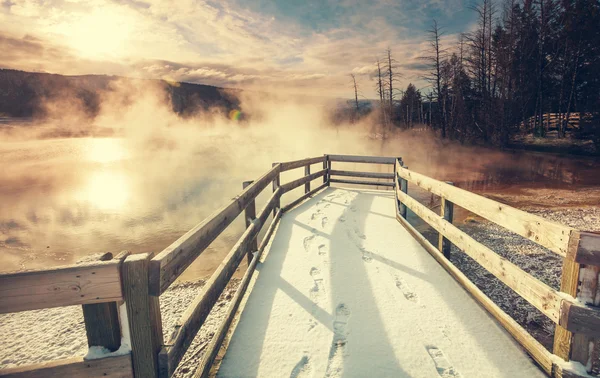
[529,67]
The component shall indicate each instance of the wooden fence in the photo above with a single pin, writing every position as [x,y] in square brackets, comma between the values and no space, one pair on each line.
[573,308]
[111,290]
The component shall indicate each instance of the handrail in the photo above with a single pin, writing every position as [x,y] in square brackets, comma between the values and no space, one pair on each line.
[190,322]
[551,235]
[94,282]
[571,316]
[166,267]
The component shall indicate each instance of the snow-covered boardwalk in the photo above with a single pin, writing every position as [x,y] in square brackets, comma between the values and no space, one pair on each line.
[345,291]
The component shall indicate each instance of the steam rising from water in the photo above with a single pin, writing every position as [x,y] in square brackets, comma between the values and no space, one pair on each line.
[159,174]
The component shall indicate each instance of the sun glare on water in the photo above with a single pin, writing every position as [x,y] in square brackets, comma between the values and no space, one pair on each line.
[107,190]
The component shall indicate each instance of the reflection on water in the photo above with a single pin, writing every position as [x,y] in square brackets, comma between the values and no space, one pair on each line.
[61,199]
[106,190]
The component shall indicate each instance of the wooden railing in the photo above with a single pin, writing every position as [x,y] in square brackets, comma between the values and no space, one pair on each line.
[573,308]
[129,287]
[99,287]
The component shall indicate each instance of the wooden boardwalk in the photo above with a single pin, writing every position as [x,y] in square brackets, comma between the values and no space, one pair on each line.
[346,288]
[345,291]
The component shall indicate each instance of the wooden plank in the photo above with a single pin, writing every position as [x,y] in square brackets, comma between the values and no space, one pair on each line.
[588,292]
[87,283]
[363,159]
[286,166]
[216,341]
[540,295]
[173,260]
[213,348]
[361,182]
[292,204]
[327,166]
[447,213]
[250,215]
[102,326]
[569,285]
[195,315]
[579,318]
[307,173]
[377,175]
[551,235]
[531,345]
[403,185]
[276,185]
[584,248]
[270,230]
[110,367]
[143,314]
[302,180]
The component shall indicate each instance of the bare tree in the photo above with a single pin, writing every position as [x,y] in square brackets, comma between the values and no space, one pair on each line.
[355,92]
[436,58]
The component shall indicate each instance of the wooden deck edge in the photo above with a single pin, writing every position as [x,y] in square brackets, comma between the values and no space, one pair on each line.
[222,349]
[111,367]
[304,197]
[536,350]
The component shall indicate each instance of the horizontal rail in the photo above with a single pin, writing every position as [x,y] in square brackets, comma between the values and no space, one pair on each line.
[85,283]
[286,166]
[551,235]
[110,367]
[195,315]
[302,180]
[360,182]
[173,260]
[537,351]
[377,175]
[217,340]
[560,308]
[363,159]
[291,205]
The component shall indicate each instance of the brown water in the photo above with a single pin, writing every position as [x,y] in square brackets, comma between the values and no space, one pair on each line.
[61,199]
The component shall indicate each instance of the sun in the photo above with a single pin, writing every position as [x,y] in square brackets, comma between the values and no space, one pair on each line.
[101,33]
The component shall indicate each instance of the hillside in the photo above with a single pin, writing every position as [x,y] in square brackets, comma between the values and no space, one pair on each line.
[24,94]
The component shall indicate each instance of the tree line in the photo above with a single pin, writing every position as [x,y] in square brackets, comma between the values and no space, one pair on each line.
[523,60]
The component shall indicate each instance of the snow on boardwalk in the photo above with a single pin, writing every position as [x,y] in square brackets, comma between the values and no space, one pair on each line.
[345,291]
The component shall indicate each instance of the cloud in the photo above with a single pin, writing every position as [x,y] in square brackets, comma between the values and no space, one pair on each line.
[250,44]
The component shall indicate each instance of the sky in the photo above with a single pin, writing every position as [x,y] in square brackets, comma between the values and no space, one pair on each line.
[289,46]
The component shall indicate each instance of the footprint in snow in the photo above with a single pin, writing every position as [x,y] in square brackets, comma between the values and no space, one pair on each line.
[442,364]
[307,242]
[322,249]
[317,289]
[335,362]
[324,221]
[367,256]
[302,368]
[406,290]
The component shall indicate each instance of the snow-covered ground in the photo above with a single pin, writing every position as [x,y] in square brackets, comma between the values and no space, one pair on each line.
[45,335]
[344,290]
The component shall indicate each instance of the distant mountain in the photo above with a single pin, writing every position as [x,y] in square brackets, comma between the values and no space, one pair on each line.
[24,94]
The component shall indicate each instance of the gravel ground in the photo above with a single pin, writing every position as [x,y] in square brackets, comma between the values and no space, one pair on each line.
[31,337]
[534,259]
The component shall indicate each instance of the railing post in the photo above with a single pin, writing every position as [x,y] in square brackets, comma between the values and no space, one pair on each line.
[306,173]
[326,165]
[404,189]
[143,314]
[275,187]
[580,281]
[101,320]
[249,216]
[446,212]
